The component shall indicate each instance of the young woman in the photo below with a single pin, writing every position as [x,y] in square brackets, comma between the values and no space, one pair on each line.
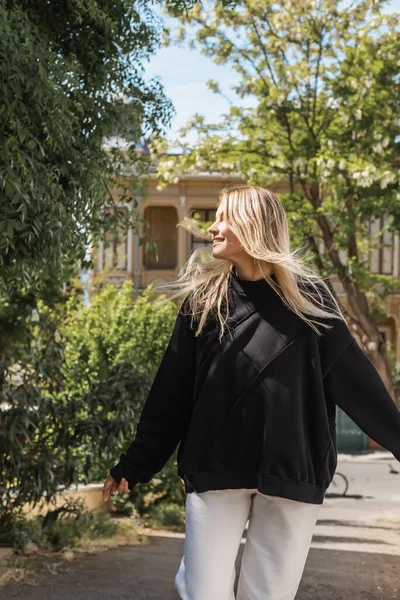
[258,358]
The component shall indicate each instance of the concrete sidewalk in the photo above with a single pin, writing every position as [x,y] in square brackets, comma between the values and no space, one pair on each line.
[368,517]
[366,456]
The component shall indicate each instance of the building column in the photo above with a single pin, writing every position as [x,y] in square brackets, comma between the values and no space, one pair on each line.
[182,234]
[129,242]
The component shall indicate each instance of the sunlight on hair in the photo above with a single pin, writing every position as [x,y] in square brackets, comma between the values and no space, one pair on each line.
[257,218]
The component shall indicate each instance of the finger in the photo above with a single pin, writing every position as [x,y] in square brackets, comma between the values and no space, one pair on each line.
[114,488]
[121,485]
[108,485]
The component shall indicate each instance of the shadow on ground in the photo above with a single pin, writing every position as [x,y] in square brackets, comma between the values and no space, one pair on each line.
[148,572]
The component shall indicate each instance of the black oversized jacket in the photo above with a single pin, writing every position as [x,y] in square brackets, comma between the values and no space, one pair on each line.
[258,411]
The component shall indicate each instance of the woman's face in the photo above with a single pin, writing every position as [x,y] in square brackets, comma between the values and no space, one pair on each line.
[225,243]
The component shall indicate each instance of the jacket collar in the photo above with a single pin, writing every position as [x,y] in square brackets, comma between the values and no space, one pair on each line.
[249,297]
[255,288]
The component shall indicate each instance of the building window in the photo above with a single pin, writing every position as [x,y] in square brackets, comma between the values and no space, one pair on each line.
[207,216]
[382,258]
[162,222]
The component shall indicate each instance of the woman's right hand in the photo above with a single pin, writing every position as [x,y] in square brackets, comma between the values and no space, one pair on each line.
[112,487]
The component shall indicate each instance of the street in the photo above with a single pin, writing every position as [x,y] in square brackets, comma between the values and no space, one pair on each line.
[355,551]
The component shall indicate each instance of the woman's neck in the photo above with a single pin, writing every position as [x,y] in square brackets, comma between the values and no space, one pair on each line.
[250,272]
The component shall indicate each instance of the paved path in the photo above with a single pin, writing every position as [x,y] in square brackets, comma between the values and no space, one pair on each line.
[147,573]
[355,552]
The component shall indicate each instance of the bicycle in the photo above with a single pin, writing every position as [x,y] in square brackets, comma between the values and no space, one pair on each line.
[341,483]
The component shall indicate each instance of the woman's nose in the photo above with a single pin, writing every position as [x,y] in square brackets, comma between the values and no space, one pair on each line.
[212,229]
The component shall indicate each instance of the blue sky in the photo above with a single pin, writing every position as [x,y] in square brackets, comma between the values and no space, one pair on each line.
[184,74]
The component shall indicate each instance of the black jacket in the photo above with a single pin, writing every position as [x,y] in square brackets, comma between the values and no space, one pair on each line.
[258,411]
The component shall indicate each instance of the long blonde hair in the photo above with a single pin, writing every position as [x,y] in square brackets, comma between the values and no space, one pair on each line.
[257,218]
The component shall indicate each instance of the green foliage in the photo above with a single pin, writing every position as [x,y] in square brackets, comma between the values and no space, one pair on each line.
[25,531]
[324,118]
[19,308]
[203,225]
[168,486]
[114,329]
[166,514]
[65,533]
[72,81]
[72,525]
[178,7]
[124,506]
[73,404]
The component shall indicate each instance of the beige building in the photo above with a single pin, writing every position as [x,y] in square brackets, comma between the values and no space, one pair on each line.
[198,195]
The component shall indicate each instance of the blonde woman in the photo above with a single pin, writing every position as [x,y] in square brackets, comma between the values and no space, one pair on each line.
[259,356]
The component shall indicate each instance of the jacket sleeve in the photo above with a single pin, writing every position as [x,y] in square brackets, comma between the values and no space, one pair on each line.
[166,412]
[355,385]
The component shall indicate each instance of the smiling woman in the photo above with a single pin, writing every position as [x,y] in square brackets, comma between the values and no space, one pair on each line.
[226,245]
[251,236]
[248,388]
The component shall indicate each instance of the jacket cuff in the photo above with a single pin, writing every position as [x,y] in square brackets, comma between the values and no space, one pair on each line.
[120,470]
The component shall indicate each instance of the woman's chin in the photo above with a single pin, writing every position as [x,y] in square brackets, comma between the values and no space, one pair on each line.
[217,254]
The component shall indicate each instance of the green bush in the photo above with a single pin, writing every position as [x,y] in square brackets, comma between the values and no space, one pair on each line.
[60,528]
[124,506]
[66,532]
[114,338]
[166,514]
[74,402]
[115,328]
[26,531]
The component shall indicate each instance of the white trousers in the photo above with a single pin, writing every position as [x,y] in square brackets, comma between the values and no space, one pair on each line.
[277,544]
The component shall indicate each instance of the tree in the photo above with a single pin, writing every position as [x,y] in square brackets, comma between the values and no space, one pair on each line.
[73,87]
[72,78]
[324,83]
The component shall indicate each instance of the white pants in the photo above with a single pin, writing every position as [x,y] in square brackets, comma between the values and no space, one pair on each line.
[277,544]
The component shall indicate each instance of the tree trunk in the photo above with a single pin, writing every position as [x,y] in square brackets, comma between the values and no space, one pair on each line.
[363,326]
[367,334]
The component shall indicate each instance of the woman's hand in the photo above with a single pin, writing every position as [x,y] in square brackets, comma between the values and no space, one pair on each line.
[111,487]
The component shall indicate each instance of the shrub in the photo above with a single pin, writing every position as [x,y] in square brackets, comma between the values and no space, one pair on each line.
[123,505]
[66,532]
[72,406]
[60,528]
[166,514]
[26,531]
